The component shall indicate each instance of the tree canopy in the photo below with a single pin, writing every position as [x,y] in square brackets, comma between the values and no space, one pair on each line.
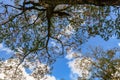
[33,24]
[45,29]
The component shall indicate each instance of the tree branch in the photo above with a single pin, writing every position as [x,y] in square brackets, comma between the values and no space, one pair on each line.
[10,19]
[62,45]
[82,2]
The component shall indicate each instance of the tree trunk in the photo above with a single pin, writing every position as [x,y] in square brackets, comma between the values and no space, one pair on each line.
[82,2]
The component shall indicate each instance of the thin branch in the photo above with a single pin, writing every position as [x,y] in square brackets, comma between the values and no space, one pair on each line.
[30,8]
[26,54]
[60,43]
[37,46]
[11,18]
[37,18]
[26,18]
[7,5]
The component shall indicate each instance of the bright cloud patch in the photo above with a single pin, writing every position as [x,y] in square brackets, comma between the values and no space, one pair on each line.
[7,50]
[80,66]
[8,69]
[48,77]
[118,44]
[71,54]
[2,76]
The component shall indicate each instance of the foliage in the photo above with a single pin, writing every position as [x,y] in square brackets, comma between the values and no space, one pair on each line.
[106,65]
[13,69]
[44,30]
[99,64]
[32,26]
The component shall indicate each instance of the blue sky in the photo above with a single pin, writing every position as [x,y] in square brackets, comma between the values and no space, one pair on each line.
[60,67]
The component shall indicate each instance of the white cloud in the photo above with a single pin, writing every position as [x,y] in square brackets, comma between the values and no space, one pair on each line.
[72,54]
[33,18]
[7,68]
[80,67]
[48,77]
[73,76]
[2,48]
[27,76]
[69,30]
[53,43]
[119,44]
[14,62]
[2,76]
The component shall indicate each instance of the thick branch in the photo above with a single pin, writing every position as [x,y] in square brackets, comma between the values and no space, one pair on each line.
[82,2]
